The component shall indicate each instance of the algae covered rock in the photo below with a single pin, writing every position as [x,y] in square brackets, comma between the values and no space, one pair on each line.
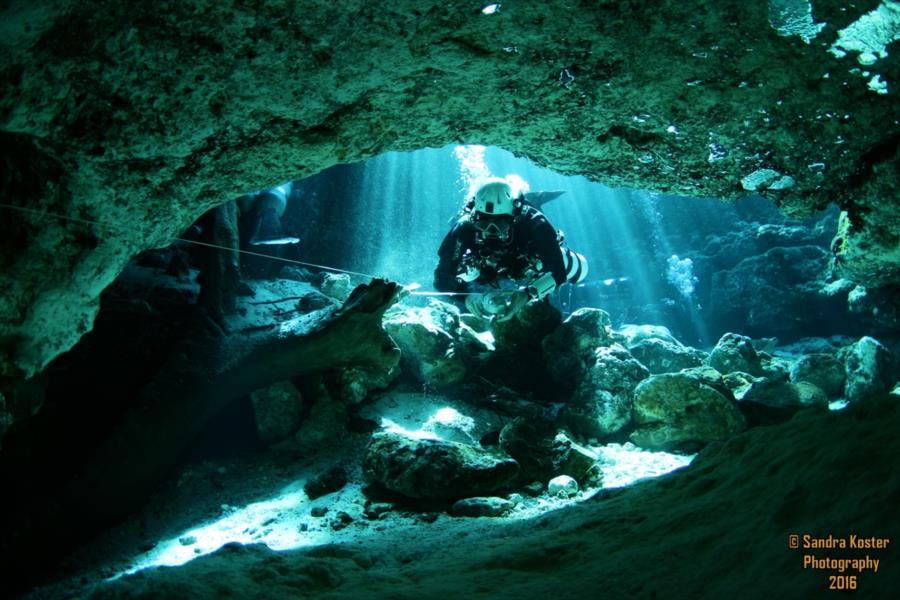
[635,334]
[879,303]
[529,326]
[277,409]
[735,352]
[709,376]
[760,290]
[675,411]
[427,337]
[325,424]
[543,453]
[602,401]
[355,383]
[336,285]
[569,350]
[809,394]
[824,371]
[326,482]
[434,469]
[661,356]
[775,392]
[867,367]
[432,415]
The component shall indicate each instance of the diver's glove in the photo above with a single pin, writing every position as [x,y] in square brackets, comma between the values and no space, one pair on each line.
[470,274]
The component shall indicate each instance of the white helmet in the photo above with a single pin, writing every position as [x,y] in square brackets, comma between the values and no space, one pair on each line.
[494,197]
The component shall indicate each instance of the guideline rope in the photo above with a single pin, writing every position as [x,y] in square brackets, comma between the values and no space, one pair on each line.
[225,248]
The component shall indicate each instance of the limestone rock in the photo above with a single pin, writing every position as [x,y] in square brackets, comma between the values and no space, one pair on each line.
[760,290]
[542,453]
[761,179]
[739,383]
[809,394]
[776,393]
[735,352]
[635,334]
[563,486]
[355,383]
[336,285]
[534,489]
[775,235]
[602,401]
[278,409]
[518,362]
[569,350]
[824,371]
[433,415]
[534,322]
[859,255]
[488,506]
[323,427]
[434,469]
[313,301]
[775,367]
[450,424]
[867,364]
[326,482]
[676,411]
[428,343]
[660,356]
[880,303]
[709,376]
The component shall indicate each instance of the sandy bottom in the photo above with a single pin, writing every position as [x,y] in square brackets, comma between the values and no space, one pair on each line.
[718,528]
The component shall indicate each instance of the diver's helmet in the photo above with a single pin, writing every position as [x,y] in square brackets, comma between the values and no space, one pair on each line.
[493,208]
[494,197]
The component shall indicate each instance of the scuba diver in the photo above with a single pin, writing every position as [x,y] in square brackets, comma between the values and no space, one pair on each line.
[261,232]
[502,239]
[264,210]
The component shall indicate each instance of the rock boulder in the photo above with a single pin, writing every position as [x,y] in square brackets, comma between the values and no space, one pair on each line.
[434,469]
[675,411]
[602,401]
[867,366]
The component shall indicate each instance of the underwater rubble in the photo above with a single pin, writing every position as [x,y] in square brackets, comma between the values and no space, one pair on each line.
[455,429]
[443,428]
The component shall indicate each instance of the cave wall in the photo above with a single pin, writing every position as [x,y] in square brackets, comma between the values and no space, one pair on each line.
[132,119]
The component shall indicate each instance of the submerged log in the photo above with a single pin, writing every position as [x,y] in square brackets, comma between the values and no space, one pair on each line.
[203,375]
[207,374]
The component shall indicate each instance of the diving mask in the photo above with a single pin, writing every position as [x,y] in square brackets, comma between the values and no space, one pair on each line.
[499,226]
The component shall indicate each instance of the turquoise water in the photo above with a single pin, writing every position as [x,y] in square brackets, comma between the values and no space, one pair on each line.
[653,258]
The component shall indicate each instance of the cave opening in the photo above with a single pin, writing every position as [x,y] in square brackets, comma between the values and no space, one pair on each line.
[684,263]
[664,268]
[297,430]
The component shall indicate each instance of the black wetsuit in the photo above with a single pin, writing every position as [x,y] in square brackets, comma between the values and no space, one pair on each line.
[533,239]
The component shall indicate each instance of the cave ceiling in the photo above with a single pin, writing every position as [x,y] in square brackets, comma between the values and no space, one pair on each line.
[134,118]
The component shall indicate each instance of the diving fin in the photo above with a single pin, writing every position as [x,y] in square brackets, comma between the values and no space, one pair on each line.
[539,199]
